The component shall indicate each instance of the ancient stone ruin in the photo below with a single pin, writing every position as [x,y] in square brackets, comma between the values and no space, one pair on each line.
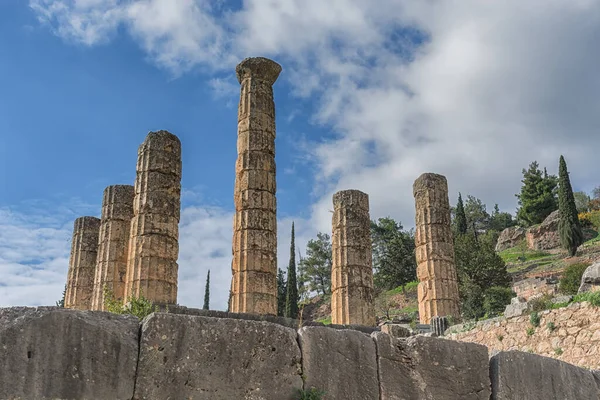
[113,243]
[69,354]
[436,271]
[254,265]
[133,249]
[351,271]
[154,237]
[82,263]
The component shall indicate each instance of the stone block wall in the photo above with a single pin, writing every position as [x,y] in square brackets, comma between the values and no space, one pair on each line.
[535,287]
[570,334]
[105,356]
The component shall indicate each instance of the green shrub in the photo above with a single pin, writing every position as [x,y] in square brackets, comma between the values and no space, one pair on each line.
[571,279]
[551,327]
[310,394]
[541,303]
[592,297]
[534,318]
[590,219]
[530,331]
[495,300]
[138,306]
[558,351]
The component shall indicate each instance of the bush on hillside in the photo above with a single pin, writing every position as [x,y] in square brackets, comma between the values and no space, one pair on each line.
[571,279]
[496,299]
[590,219]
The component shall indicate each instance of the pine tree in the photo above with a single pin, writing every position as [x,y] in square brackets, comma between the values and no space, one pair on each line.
[538,195]
[291,300]
[569,228]
[281,293]
[461,218]
[207,292]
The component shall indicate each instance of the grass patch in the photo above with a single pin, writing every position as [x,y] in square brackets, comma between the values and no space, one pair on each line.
[592,297]
[520,255]
[325,321]
[410,287]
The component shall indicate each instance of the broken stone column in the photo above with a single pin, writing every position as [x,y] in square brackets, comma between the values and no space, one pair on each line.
[436,271]
[254,265]
[153,245]
[113,243]
[82,263]
[352,271]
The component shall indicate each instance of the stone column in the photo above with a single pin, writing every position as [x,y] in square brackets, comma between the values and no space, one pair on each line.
[82,263]
[436,271]
[352,270]
[113,244]
[153,245]
[254,265]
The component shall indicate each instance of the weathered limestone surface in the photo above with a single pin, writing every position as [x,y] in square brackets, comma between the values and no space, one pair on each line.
[343,363]
[53,353]
[524,376]
[351,271]
[153,245]
[436,271]
[423,368]
[254,265]
[188,357]
[82,263]
[113,244]
[590,281]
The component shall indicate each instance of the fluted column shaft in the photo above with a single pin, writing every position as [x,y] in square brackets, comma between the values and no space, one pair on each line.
[154,233]
[82,263]
[436,270]
[254,265]
[113,244]
[352,270]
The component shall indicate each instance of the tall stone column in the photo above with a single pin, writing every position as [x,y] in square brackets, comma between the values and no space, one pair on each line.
[436,271]
[113,244]
[254,265]
[82,263]
[153,245]
[352,270]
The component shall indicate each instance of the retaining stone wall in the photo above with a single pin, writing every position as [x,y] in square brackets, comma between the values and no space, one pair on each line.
[52,353]
[570,334]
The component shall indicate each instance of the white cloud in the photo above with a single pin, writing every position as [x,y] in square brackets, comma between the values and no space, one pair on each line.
[488,88]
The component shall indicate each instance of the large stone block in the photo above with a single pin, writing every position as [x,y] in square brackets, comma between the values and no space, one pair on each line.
[524,376]
[189,357]
[340,362]
[54,353]
[423,368]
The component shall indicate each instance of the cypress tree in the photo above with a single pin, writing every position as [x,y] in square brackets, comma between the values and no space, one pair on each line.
[461,217]
[229,301]
[281,293]
[61,303]
[207,292]
[291,300]
[569,228]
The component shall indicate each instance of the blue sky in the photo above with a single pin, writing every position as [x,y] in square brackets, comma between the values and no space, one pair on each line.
[369,98]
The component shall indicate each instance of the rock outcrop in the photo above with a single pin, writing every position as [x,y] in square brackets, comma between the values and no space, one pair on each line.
[590,280]
[510,237]
[544,236]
